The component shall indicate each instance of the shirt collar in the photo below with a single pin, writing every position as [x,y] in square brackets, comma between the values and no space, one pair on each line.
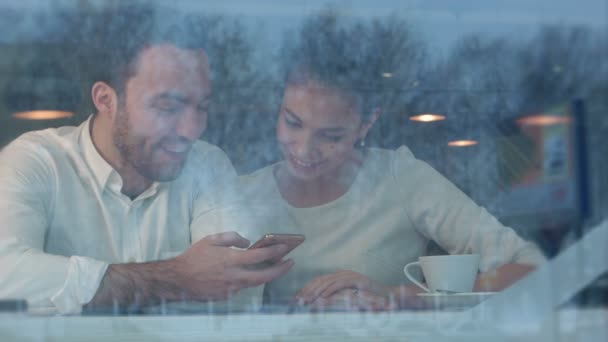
[99,167]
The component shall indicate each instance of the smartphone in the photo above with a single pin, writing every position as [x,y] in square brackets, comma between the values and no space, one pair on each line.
[291,240]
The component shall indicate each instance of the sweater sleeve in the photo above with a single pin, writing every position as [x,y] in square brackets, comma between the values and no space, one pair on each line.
[444,214]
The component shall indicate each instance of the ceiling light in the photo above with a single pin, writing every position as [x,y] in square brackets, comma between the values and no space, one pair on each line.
[542,120]
[42,115]
[41,98]
[462,143]
[427,117]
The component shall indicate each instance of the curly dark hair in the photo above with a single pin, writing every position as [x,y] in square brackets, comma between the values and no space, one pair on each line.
[331,55]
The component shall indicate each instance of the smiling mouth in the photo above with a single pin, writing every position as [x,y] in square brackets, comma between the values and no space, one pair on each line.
[306,165]
[176,151]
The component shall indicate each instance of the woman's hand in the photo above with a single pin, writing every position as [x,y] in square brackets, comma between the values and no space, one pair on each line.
[398,297]
[328,285]
[355,300]
[502,277]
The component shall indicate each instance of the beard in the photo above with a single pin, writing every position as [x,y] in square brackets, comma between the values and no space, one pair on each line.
[134,152]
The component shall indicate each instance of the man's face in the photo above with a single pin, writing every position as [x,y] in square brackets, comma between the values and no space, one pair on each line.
[163,110]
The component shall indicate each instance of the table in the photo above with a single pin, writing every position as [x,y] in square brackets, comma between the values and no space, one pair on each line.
[570,324]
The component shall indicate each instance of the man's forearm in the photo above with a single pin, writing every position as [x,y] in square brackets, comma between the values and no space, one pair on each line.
[137,283]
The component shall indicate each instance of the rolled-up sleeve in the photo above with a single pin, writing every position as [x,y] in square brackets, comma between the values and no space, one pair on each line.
[81,283]
[26,203]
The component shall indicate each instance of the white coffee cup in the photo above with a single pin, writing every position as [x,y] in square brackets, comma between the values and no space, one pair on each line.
[446,273]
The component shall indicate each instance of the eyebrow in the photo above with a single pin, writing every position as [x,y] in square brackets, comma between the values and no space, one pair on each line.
[170,96]
[334,129]
[293,114]
[179,97]
[329,129]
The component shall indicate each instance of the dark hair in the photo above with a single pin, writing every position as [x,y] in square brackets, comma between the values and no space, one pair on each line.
[116,36]
[332,56]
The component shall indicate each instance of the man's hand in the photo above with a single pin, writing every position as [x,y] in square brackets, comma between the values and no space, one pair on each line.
[209,270]
[327,285]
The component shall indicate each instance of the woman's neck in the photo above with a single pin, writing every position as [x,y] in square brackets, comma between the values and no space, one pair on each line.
[321,190]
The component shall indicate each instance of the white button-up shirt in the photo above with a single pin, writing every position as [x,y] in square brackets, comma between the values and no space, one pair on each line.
[63,218]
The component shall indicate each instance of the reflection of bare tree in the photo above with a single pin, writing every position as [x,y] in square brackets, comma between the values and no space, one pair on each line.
[480,82]
[561,64]
[244,96]
[488,80]
[476,89]
[35,72]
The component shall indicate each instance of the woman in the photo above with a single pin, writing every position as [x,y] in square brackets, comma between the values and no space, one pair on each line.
[365,212]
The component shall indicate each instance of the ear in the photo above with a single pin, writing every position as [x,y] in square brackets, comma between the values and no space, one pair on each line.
[369,122]
[105,99]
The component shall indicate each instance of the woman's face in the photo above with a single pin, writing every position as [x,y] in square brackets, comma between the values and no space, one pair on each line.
[317,130]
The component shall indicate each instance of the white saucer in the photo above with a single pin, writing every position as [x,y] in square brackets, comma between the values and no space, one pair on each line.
[464,300]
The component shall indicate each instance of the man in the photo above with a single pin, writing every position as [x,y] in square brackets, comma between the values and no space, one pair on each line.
[85,211]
